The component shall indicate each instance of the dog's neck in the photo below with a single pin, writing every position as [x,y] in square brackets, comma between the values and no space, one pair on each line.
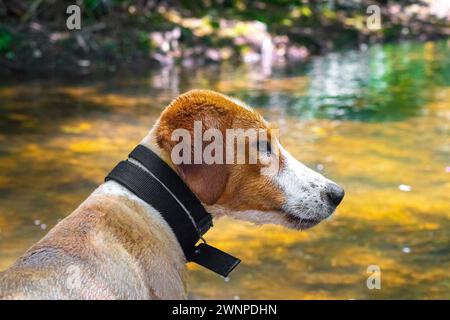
[115,189]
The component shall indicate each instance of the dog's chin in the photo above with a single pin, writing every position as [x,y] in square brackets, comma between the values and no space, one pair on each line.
[299,223]
[294,219]
[286,219]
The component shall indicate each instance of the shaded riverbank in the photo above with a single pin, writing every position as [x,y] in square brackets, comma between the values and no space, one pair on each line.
[134,36]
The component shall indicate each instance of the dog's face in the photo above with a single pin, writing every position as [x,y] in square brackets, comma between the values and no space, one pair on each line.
[287,193]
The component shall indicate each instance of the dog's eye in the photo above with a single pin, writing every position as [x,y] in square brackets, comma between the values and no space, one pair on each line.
[265,147]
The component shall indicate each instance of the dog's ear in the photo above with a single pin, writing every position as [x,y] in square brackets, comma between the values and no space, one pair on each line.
[207,181]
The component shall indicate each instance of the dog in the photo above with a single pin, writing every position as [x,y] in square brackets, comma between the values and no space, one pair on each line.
[116,246]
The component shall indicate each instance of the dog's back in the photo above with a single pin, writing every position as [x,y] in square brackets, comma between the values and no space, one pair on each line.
[109,248]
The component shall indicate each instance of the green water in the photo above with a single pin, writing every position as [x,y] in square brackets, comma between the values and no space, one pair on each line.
[371,120]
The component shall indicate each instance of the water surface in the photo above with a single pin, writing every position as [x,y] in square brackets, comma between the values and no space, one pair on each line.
[377,122]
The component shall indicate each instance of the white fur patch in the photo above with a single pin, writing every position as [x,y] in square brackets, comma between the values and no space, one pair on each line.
[303,188]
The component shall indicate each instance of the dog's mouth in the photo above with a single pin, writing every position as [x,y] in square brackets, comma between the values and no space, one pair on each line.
[294,219]
[301,223]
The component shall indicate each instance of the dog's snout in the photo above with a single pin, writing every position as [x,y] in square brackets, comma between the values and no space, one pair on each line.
[335,193]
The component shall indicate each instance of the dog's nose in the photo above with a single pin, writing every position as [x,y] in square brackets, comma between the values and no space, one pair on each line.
[335,193]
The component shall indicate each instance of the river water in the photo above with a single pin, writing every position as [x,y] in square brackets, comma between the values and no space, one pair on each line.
[375,121]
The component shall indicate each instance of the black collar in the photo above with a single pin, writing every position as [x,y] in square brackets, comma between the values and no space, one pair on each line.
[164,190]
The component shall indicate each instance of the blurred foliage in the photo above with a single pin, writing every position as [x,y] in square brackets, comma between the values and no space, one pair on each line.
[117,33]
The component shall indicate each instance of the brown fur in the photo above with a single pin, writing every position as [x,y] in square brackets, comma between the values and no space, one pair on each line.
[236,187]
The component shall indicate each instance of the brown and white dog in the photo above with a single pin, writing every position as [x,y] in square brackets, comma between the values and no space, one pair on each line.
[116,246]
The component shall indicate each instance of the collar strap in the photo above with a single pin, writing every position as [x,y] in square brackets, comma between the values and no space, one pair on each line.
[168,178]
[164,190]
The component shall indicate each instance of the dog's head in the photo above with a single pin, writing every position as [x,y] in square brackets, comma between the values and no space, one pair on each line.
[193,136]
